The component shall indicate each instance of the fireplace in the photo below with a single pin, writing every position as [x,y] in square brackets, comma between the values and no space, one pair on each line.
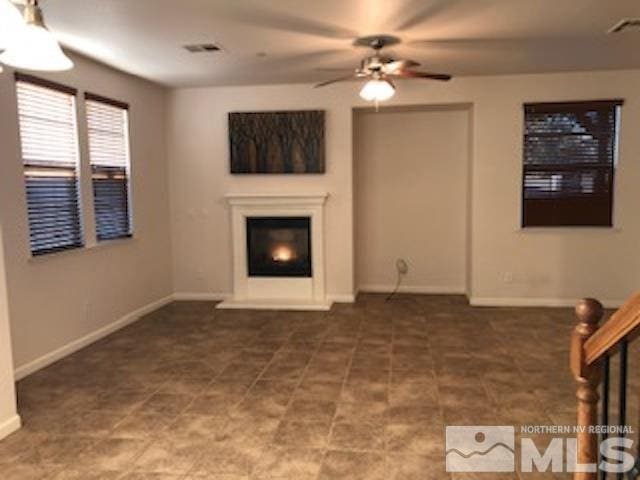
[278,251]
[279,247]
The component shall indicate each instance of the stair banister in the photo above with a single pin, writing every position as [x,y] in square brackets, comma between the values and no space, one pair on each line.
[591,348]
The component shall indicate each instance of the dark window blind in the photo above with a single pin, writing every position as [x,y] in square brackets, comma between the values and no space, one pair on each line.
[107,123]
[569,163]
[49,141]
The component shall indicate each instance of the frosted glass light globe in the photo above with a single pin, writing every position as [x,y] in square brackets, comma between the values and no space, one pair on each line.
[35,48]
[377,90]
[10,22]
[32,46]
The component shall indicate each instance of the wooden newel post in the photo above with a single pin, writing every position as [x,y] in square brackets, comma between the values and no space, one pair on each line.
[589,313]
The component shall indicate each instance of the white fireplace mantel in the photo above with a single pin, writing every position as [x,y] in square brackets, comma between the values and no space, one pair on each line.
[290,293]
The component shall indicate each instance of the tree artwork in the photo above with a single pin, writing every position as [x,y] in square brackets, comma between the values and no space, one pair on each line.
[277,142]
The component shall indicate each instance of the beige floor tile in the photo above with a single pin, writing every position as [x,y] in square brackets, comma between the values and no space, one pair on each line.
[19,444]
[27,472]
[302,434]
[415,467]
[416,438]
[367,412]
[343,465]
[139,425]
[304,410]
[59,450]
[166,403]
[357,436]
[170,456]
[196,426]
[283,462]
[112,454]
[90,474]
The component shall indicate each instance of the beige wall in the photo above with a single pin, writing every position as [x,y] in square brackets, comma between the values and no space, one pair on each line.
[58,299]
[9,420]
[199,179]
[545,266]
[410,177]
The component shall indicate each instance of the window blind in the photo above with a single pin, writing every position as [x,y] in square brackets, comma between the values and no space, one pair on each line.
[107,123]
[569,163]
[48,135]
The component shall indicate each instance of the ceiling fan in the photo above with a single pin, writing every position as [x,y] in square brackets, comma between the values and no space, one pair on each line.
[381,69]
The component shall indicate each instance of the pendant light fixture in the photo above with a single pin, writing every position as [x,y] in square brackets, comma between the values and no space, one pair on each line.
[33,46]
[10,23]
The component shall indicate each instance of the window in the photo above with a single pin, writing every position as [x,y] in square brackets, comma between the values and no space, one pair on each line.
[107,123]
[569,163]
[48,134]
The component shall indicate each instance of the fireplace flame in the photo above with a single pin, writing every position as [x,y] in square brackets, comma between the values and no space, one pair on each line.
[282,253]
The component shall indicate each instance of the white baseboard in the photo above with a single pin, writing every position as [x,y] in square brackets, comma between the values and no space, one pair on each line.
[9,426]
[534,302]
[51,357]
[200,297]
[341,297]
[418,289]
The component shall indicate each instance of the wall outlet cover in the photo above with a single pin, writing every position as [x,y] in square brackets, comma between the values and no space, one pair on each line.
[402,266]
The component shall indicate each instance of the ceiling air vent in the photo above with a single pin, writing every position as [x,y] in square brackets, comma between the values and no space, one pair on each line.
[626,25]
[203,48]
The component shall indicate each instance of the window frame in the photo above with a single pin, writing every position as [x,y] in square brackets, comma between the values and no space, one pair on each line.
[72,92]
[572,107]
[96,98]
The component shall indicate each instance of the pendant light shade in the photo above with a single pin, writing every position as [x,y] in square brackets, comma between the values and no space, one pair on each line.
[33,46]
[377,90]
[10,22]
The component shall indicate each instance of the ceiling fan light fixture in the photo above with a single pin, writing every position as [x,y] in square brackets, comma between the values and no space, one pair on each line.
[377,90]
[33,47]
[10,22]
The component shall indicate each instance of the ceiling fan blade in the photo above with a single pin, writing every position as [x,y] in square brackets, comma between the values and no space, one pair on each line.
[400,65]
[415,74]
[346,78]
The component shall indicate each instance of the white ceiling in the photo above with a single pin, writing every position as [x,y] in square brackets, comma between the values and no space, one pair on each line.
[303,37]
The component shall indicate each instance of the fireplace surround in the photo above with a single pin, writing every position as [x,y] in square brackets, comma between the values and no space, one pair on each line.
[278,251]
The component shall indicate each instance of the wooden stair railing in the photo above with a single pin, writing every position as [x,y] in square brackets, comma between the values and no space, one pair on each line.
[591,349]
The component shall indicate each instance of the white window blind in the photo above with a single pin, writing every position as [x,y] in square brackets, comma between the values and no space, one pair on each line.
[107,123]
[48,134]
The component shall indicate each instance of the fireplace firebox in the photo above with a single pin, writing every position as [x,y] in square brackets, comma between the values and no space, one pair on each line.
[279,246]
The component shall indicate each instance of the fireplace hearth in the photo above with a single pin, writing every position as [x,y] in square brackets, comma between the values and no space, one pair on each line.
[279,247]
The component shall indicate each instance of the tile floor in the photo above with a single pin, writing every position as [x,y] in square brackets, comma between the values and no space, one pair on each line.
[361,392]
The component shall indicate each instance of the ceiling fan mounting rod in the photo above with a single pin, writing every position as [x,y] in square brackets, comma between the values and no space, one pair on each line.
[377,44]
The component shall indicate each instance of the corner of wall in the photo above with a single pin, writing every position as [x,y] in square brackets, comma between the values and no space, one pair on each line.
[9,419]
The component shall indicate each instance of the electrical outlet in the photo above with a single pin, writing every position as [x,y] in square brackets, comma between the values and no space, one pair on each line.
[402,266]
[508,277]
